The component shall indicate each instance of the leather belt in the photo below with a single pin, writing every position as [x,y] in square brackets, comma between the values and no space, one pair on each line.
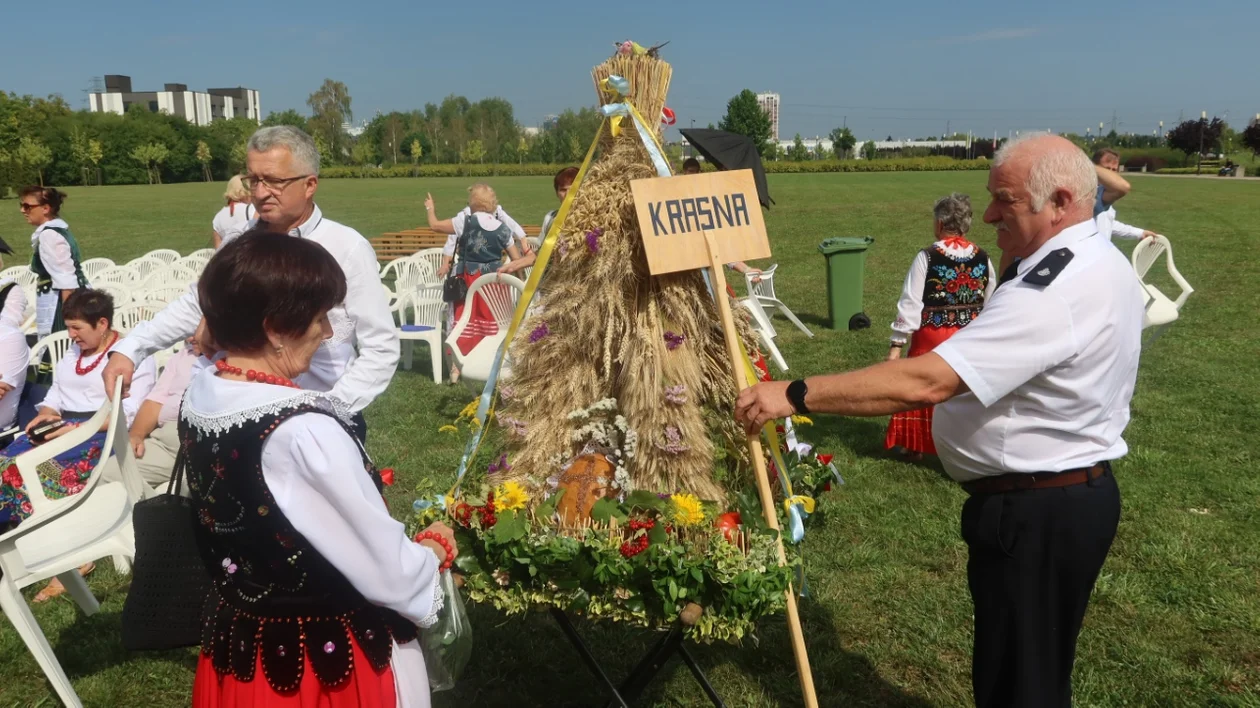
[1038,480]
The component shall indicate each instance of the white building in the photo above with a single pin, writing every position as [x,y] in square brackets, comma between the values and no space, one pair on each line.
[824,144]
[194,106]
[769,103]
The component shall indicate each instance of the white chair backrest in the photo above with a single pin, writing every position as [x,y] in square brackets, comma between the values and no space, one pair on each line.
[408,275]
[56,344]
[92,266]
[206,253]
[127,317]
[22,275]
[500,293]
[117,275]
[120,293]
[145,265]
[194,263]
[432,256]
[765,288]
[425,306]
[166,255]
[174,274]
[534,242]
[1147,252]
[162,296]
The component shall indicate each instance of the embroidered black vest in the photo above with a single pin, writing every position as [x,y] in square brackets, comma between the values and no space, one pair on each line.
[953,292]
[274,595]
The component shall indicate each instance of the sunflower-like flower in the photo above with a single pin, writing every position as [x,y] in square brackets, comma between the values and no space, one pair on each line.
[801,420]
[687,510]
[510,496]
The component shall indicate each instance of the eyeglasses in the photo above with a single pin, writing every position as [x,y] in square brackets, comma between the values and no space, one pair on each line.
[27,207]
[273,185]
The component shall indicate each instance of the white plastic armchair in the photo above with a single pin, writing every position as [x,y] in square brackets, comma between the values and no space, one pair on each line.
[126,318]
[765,331]
[92,266]
[206,253]
[500,293]
[763,290]
[1161,310]
[62,534]
[55,344]
[432,256]
[407,275]
[166,255]
[117,275]
[22,275]
[174,274]
[145,265]
[424,325]
[121,293]
[162,296]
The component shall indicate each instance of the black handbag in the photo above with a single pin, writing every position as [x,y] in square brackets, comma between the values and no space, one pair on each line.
[454,289]
[170,581]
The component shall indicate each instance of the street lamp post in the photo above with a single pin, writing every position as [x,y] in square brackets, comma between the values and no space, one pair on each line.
[1198,170]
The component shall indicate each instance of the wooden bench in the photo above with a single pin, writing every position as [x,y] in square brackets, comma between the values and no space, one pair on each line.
[399,244]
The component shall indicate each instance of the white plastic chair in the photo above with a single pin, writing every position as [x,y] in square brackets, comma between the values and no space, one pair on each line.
[117,275]
[166,255]
[56,344]
[408,275]
[424,325]
[194,262]
[162,296]
[765,331]
[22,275]
[206,253]
[1161,310]
[500,293]
[171,275]
[764,292]
[144,266]
[62,534]
[432,256]
[126,318]
[120,293]
[92,266]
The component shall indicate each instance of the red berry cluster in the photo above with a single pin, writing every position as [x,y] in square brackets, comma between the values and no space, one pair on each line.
[648,524]
[463,514]
[487,512]
[634,547]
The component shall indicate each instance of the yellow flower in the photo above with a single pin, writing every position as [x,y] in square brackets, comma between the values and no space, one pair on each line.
[687,511]
[801,420]
[474,424]
[470,410]
[510,496]
[448,429]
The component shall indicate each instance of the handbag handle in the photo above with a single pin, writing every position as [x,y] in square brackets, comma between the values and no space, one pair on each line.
[177,474]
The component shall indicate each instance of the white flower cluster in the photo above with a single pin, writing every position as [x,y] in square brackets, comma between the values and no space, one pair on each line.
[615,440]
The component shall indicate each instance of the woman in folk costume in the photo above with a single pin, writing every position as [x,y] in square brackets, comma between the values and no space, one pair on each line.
[318,595]
[77,393]
[55,257]
[481,239]
[945,290]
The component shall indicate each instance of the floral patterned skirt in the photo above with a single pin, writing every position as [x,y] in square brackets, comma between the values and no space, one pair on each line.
[61,476]
[913,429]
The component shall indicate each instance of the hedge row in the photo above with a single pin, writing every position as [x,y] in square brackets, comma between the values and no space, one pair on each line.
[1207,170]
[908,164]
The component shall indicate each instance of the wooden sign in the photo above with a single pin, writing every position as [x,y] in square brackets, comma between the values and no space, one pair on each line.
[676,212]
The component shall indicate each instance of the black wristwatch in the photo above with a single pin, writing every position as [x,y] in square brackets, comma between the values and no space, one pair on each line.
[796,396]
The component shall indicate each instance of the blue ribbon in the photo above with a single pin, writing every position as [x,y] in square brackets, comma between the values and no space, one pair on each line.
[611,110]
[420,505]
[796,522]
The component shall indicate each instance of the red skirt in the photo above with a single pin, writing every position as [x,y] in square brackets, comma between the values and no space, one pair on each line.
[912,430]
[481,323]
[364,689]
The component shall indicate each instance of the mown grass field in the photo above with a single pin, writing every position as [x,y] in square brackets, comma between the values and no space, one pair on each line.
[1174,621]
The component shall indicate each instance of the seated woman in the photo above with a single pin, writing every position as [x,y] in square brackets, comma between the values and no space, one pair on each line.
[480,245]
[944,291]
[154,437]
[77,393]
[322,588]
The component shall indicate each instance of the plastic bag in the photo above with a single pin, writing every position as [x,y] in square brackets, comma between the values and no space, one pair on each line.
[447,645]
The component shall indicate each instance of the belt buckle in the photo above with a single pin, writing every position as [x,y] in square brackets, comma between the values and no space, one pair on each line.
[1024,481]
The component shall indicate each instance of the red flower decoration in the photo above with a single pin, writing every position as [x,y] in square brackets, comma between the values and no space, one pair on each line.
[387,476]
[825,459]
[27,508]
[11,477]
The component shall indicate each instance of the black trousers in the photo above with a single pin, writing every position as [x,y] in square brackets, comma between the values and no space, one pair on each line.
[1033,558]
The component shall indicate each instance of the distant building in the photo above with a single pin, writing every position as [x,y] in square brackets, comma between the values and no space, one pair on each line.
[769,103]
[815,145]
[531,131]
[550,122]
[175,99]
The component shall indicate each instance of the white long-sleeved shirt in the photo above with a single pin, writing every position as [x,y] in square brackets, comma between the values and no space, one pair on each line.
[86,394]
[1110,228]
[54,253]
[14,311]
[459,219]
[363,322]
[314,470]
[910,304]
[15,356]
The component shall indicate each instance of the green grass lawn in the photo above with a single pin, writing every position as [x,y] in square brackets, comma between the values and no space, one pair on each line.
[1174,620]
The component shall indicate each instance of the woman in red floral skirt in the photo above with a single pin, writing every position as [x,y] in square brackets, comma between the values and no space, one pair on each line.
[945,290]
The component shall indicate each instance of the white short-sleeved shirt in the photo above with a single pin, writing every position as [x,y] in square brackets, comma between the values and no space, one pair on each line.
[13,312]
[15,356]
[232,220]
[1051,368]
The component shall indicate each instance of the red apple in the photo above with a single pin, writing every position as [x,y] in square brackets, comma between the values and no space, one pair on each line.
[728,523]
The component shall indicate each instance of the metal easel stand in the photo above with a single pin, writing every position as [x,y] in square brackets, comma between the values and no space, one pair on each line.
[645,671]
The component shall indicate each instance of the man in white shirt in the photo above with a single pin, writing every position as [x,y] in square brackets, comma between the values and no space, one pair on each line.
[1111,188]
[1032,399]
[283,175]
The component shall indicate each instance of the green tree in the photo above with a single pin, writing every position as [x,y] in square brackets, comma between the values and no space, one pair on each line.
[95,153]
[522,147]
[285,117]
[80,151]
[151,155]
[474,151]
[798,152]
[34,155]
[363,153]
[1251,137]
[744,116]
[330,109]
[204,157]
[842,142]
[869,151]
[417,151]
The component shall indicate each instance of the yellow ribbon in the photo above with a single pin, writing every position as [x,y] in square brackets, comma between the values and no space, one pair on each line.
[804,501]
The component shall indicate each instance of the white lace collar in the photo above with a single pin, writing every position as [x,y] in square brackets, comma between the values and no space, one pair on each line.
[214,405]
[956,247]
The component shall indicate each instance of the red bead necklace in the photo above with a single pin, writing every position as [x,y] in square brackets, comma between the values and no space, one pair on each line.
[251,375]
[84,371]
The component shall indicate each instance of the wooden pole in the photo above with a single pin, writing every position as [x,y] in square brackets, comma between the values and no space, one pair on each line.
[759,465]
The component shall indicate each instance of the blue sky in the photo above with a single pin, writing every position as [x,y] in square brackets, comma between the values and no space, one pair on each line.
[899,67]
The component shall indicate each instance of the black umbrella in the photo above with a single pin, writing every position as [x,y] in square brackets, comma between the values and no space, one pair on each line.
[5,248]
[731,151]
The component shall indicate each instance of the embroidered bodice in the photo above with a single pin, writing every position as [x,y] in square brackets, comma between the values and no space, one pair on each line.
[957,278]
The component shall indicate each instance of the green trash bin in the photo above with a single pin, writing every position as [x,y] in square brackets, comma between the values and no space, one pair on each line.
[846,264]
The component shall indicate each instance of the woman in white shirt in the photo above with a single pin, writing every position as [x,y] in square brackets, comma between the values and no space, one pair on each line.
[54,259]
[235,215]
[321,586]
